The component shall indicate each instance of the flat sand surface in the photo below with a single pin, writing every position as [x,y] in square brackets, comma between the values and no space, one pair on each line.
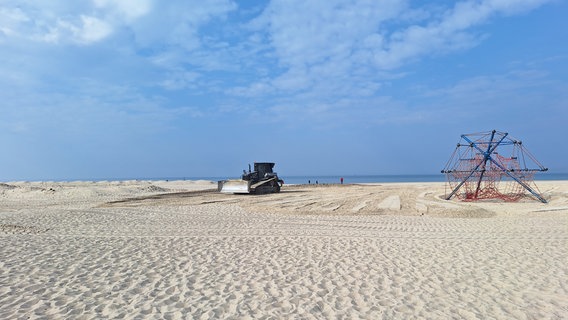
[179,250]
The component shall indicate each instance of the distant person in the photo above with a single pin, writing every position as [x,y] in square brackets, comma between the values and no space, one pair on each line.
[316,182]
[341,180]
[309,181]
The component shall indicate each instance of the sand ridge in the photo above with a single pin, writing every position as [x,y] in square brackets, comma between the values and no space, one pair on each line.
[178,250]
[353,199]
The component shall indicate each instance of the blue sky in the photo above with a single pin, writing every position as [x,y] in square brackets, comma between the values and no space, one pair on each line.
[144,88]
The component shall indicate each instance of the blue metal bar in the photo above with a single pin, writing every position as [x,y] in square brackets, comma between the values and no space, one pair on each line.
[519,181]
[464,180]
[473,144]
[492,149]
[486,157]
[507,171]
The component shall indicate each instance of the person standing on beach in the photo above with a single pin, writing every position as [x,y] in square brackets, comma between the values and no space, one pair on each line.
[341,179]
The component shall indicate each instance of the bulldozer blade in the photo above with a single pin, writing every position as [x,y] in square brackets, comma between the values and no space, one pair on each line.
[233,186]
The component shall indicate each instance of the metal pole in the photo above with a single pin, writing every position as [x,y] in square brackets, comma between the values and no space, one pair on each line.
[473,144]
[486,158]
[520,182]
[463,181]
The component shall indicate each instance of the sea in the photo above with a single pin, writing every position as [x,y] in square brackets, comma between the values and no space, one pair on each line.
[351,179]
[324,179]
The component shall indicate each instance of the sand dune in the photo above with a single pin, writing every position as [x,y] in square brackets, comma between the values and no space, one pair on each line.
[178,250]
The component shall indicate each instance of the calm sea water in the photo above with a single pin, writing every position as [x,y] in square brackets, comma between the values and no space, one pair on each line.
[368,178]
[363,179]
[327,179]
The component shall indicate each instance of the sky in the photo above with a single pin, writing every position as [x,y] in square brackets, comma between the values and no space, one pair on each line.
[102,89]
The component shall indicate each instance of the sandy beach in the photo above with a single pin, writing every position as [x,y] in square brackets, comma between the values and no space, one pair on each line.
[180,250]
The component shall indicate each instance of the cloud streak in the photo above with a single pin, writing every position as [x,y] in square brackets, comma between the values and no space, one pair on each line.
[352,48]
[320,53]
[143,70]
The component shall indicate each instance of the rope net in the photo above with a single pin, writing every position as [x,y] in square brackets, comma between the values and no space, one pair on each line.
[491,165]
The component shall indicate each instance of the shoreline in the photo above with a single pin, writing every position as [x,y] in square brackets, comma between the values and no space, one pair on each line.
[411,178]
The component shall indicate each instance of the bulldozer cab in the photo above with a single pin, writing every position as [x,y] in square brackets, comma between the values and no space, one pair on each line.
[261,180]
[261,170]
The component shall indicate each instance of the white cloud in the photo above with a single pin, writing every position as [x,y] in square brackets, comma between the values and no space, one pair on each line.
[93,29]
[385,34]
[308,32]
[180,80]
[326,50]
[514,6]
[332,51]
[171,22]
[10,18]
[448,32]
[515,96]
[177,23]
[47,22]
[261,88]
[127,9]
[86,31]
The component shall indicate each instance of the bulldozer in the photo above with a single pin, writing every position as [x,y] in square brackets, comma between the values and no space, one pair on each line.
[260,181]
